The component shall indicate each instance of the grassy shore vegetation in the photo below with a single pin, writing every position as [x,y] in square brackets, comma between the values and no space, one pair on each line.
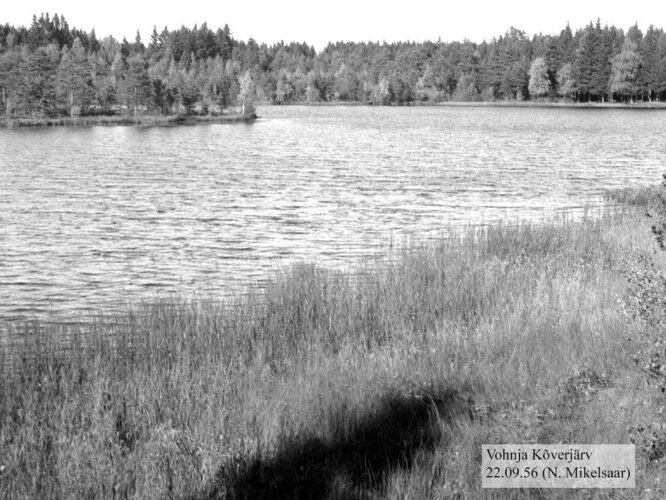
[375,382]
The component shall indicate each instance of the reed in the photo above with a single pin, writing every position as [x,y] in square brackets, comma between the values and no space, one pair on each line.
[379,381]
[641,196]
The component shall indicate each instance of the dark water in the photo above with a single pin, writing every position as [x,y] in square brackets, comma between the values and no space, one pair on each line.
[100,216]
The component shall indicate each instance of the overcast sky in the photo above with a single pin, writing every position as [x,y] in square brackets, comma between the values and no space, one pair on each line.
[351,20]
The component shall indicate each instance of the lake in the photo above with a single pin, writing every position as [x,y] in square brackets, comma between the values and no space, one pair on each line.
[96,217]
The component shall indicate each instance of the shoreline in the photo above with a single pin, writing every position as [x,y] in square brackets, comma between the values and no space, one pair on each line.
[655,105]
[123,120]
[580,105]
[175,120]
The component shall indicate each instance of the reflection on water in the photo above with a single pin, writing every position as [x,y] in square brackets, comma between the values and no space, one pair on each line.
[114,214]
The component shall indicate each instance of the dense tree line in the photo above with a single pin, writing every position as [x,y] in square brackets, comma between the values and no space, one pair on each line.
[51,69]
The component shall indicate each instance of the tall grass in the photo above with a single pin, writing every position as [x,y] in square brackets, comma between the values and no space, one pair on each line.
[378,381]
[641,196]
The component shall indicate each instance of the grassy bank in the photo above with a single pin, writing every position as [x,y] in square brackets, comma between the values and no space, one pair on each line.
[144,120]
[360,384]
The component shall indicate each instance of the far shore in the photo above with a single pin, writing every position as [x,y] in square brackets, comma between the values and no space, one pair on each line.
[547,104]
[144,120]
[502,104]
[149,120]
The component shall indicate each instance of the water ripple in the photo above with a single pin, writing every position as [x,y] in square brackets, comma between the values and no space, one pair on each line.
[99,216]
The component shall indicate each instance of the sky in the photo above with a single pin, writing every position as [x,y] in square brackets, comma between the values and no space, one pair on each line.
[318,22]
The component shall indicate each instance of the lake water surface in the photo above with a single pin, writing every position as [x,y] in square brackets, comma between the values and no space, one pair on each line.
[100,216]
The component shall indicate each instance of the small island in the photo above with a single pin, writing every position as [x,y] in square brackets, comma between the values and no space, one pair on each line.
[51,75]
[146,120]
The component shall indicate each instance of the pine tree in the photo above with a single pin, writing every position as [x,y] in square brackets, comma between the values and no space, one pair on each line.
[649,48]
[566,46]
[103,92]
[74,77]
[660,86]
[601,69]
[225,43]
[137,46]
[153,49]
[552,61]
[583,65]
[37,80]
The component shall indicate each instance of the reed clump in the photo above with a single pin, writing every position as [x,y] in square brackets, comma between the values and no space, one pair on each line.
[383,380]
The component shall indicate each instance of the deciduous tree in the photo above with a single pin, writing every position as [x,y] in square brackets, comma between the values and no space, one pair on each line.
[246,95]
[539,84]
[566,84]
[626,68]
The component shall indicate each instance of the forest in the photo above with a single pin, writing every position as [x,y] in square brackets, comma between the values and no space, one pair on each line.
[50,69]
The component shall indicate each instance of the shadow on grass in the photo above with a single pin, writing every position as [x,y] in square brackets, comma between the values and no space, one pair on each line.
[354,466]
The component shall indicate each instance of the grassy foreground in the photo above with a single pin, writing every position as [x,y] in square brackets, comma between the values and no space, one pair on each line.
[365,384]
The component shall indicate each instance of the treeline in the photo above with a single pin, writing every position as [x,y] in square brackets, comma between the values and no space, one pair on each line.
[50,69]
